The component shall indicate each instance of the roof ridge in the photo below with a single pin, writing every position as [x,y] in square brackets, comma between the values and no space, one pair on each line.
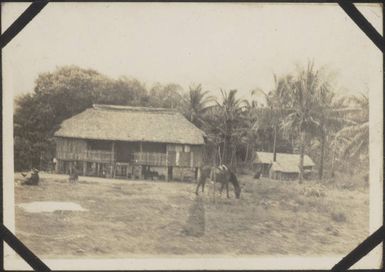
[133,108]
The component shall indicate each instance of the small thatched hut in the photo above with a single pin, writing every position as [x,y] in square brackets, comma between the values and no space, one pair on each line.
[120,141]
[286,165]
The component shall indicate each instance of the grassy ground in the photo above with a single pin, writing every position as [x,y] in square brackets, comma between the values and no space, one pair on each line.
[127,218]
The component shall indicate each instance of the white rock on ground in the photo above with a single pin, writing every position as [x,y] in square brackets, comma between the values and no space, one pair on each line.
[50,206]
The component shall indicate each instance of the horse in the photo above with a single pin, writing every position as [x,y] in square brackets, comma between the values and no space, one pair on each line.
[205,174]
[221,174]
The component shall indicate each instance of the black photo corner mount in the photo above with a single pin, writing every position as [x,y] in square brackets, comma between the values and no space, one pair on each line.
[23,251]
[36,6]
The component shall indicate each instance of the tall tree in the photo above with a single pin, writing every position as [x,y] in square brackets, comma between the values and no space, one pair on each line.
[223,124]
[277,102]
[333,115]
[356,135]
[195,104]
[166,96]
[305,92]
[57,96]
[231,114]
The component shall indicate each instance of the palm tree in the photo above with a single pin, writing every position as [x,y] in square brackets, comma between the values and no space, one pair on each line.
[224,125]
[333,115]
[306,88]
[195,104]
[356,135]
[231,112]
[251,118]
[277,105]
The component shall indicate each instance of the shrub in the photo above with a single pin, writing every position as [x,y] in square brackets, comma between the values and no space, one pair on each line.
[350,182]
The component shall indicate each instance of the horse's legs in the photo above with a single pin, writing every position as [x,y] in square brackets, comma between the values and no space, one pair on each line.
[227,189]
[201,183]
[196,191]
[222,186]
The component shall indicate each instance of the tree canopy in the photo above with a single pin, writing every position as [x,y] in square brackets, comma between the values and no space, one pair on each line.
[302,115]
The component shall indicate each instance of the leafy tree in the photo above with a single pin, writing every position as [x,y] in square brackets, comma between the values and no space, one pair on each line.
[195,104]
[356,135]
[57,96]
[305,91]
[123,91]
[167,96]
[229,123]
[278,101]
[333,116]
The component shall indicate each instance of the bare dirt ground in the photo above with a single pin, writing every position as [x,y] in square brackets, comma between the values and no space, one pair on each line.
[127,218]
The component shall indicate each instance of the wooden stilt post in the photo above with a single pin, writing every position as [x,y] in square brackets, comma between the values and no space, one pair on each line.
[58,166]
[70,167]
[167,178]
[169,170]
[113,161]
[84,168]
[214,179]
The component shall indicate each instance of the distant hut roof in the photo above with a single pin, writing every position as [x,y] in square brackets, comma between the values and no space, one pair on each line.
[122,123]
[287,163]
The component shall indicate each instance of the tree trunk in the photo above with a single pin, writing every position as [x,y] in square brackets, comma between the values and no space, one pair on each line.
[233,160]
[321,164]
[332,163]
[247,153]
[275,143]
[227,145]
[220,156]
[302,154]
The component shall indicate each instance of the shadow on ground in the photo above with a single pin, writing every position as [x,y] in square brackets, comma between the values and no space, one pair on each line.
[195,225]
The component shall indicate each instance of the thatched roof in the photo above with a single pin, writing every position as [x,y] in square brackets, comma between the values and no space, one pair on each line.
[121,123]
[287,163]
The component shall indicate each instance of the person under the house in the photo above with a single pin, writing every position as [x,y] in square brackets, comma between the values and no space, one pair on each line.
[54,162]
[74,174]
[32,179]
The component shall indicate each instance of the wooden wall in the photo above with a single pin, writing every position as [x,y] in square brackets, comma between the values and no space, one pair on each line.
[156,154]
[70,149]
[124,151]
[184,155]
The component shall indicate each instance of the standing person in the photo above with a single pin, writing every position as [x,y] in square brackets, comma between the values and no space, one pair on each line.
[54,162]
[74,174]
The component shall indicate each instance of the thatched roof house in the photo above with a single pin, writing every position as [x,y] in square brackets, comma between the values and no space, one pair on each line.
[108,140]
[286,165]
[121,123]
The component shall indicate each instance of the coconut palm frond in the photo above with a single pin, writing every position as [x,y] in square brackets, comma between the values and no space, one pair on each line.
[352,131]
[354,147]
[339,121]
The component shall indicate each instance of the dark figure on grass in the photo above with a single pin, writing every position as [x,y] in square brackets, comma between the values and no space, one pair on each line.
[32,178]
[74,174]
[220,174]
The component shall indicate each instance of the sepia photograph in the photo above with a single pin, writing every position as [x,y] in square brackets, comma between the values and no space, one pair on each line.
[192,135]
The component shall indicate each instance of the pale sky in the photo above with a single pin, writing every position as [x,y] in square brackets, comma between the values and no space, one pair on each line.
[228,46]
